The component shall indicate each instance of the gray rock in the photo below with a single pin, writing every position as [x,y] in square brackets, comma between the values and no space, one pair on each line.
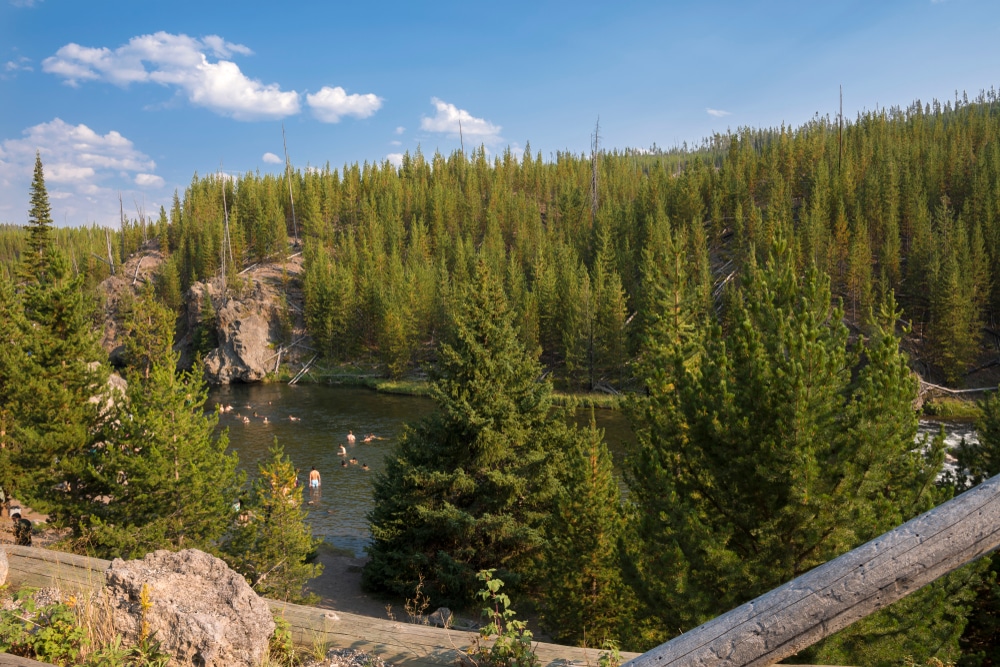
[442,618]
[3,566]
[243,345]
[202,612]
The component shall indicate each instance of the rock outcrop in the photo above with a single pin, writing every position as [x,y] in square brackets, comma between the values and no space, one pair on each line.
[244,344]
[202,612]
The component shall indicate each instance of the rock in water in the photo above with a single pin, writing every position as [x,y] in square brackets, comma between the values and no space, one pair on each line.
[3,566]
[202,612]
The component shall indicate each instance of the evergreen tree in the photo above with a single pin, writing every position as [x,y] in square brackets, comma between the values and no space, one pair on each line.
[470,487]
[40,237]
[206,337]
[977,462]
[584,600]
[54,421]
[148,332]
[161,478]
[765,457]
[270,543]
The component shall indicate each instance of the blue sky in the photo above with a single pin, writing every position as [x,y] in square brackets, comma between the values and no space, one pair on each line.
[135,97]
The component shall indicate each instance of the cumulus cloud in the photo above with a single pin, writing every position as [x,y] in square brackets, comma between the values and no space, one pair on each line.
[451,120]
[718,113]
[180,62]
[396,159]
[149,181]
[84,172]
[271,158]
[400,129]
[331,104]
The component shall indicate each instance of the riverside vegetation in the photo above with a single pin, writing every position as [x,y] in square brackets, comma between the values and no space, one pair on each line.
[759,291]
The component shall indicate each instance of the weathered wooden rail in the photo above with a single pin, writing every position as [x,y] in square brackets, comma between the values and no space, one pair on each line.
[762,632]
[834,595]
[402,644]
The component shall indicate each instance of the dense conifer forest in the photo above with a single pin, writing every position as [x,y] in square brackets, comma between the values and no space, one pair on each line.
[761,298]
[902,199]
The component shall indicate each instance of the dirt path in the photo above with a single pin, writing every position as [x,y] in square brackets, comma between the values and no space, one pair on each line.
[339,587]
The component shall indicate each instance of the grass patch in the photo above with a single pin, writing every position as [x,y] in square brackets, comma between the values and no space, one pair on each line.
[403,387]
[588,400]
[948,407]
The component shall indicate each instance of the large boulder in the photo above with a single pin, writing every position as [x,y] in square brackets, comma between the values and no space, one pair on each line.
[202,612]
[244,345]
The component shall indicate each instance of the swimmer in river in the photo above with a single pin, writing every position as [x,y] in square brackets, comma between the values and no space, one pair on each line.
[350,437]
[354,461]
[314,479]
[343,463]
[342,451]
[364,466]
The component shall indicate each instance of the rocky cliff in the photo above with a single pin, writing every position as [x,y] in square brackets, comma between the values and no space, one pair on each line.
[257,317]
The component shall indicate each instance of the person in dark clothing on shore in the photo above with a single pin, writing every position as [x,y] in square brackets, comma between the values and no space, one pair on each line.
[22,529]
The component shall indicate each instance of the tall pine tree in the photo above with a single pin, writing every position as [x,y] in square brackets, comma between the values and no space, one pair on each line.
[470,487]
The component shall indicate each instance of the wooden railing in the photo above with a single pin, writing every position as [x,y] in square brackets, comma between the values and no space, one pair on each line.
[761,632]
[402,644]
[834,595]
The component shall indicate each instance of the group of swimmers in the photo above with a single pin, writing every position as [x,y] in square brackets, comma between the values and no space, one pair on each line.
[226,409]
[314,477]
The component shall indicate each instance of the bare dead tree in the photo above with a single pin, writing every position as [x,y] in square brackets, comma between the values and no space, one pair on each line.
[288,168]
[594,148]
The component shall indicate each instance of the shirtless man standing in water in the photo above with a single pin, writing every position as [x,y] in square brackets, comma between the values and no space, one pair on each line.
[350,437]
[314,479]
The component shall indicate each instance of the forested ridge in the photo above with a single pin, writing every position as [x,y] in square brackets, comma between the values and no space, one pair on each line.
[761,299]
[897,199]
[906,200]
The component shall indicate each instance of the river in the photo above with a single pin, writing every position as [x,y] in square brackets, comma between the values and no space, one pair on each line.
[325,414]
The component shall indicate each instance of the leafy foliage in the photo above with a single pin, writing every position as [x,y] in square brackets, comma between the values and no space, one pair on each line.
[270,543]
[511,638]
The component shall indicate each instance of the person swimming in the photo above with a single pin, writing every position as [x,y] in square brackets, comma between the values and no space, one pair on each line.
[342,451]
[343,463]
[350,437]
[354,461]
[364,466]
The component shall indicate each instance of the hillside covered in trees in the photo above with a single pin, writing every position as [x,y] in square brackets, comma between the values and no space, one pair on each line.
[761,298]
[906,200]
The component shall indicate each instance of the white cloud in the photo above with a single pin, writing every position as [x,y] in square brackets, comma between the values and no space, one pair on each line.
[19,64]
[84,172]
[395,143]
[718,113]
[331,104]
[400,129]
[182,62]
[452,120]
[271,158]
[396,159]
[149,181]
